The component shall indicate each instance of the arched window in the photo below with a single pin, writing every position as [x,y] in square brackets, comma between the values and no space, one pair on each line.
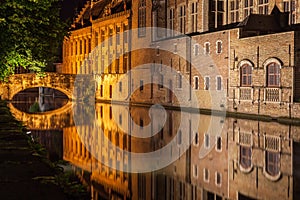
[245,156]
[272,163]
[246,74]
[273,74]
[272,157]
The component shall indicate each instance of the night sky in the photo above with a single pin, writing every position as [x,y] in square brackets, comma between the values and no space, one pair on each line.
[69,7]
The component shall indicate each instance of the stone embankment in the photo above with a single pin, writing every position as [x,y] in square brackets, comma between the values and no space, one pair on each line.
[24,174]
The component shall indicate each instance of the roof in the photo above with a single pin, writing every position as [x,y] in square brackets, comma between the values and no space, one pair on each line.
[100,8]
[258,22]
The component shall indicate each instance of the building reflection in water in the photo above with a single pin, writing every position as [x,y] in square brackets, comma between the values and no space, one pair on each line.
[248,160]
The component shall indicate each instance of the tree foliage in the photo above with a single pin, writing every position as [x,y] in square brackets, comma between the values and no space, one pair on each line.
[31,33]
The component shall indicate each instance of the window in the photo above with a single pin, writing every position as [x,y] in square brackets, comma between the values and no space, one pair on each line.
[206,83]
[272,155]
[219,47]
[246,75]
[120,86]
[141,123]
[102,38]
[117,139]
[118,35]
[248,7]
[179,80]
[273,74]
[117,64]
[171,21]
[196,82]
[141,85]
[101,90]
[179,137]
[110,36]
[219,83]
[290,6]
[219,143]
[206,140]
[120,119]
[124,142]
[207,48]
[196,49]
[194,16]
[96,38]
[161,81]
[181,20]
[272,163]
[142,18]
[110,91]
[125,63]
[125,34]
[263,6]
[234,11]
[206,175]
[196,139]
[110,112]
[218,179]
[245,156]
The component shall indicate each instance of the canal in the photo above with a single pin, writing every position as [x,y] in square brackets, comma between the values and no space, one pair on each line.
[133,152]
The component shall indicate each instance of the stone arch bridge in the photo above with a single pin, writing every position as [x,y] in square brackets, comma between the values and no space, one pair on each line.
[19,82]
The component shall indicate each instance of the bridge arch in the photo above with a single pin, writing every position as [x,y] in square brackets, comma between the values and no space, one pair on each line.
[61,82]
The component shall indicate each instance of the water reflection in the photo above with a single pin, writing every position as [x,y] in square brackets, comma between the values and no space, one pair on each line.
[246,160]
[40,99]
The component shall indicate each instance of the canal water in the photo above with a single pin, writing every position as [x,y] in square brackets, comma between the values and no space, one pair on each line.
[131,152]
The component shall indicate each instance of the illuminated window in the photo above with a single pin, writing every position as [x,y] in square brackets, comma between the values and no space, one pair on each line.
[118,35]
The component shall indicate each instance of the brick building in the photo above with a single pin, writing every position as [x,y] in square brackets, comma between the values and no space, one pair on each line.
[219,55]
